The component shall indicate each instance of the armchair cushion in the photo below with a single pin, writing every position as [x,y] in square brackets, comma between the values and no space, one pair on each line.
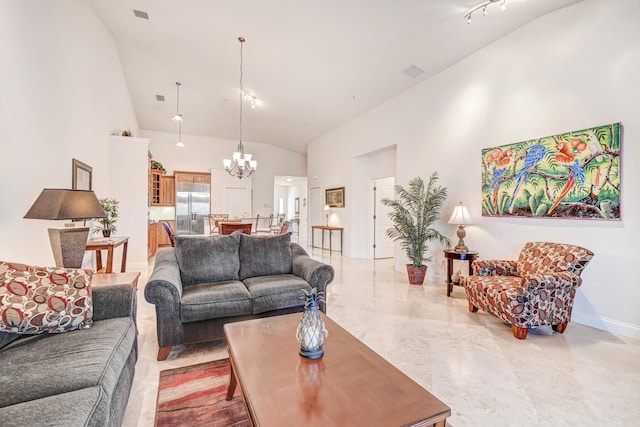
[526,302]
[278,291]
[494,268]
[207,259]
[264,255]
[546,257]
[214,300]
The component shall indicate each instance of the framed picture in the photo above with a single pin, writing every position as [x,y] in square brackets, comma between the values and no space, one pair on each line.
[334,197]
[297,205]
[81,176]
[572,175]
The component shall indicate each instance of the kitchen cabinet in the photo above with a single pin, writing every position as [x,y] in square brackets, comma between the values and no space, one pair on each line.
[155,193]
[167,190]
[151,239]
[193,177]
[162,189]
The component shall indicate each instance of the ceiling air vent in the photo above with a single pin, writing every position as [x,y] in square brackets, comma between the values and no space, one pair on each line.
[413,71]
[141,14]
[160,98]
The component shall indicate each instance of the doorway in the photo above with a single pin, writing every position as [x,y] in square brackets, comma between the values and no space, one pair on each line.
[290,200]
[382,188]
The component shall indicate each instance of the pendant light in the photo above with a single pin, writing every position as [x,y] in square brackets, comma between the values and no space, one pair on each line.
[178,117]
[240,165]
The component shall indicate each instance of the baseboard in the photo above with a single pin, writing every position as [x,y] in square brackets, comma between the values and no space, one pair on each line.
[606,324]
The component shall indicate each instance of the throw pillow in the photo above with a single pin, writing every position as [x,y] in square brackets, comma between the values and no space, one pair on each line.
[265,255]
[207,259]
[35,300]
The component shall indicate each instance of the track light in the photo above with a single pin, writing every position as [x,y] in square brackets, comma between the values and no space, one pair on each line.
[483,6]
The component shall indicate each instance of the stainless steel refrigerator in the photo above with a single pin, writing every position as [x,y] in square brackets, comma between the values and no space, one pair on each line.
[192,207]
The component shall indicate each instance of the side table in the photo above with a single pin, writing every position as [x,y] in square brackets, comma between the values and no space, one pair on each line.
[109,244]
[450,255]
[129,278]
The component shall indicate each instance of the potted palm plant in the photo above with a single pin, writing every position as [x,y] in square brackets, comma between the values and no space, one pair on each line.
[413,213]
[108,225]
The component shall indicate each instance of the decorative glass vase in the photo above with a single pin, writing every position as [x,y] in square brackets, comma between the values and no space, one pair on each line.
[311,332]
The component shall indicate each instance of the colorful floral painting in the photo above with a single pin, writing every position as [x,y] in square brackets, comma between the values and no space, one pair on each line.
[570,175]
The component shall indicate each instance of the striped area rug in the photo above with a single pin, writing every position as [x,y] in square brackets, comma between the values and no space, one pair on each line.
[195,396]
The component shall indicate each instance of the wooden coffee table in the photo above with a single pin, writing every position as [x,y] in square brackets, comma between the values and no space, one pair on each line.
[350,386]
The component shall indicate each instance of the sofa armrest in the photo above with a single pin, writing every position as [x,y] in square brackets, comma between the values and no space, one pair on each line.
[316,273]
[164,288]
[494,267]
[564,280]
[114,301]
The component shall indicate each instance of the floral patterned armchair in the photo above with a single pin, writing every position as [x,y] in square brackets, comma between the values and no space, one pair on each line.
[536,290]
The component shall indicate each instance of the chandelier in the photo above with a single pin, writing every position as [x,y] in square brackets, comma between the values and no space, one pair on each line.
[240,165]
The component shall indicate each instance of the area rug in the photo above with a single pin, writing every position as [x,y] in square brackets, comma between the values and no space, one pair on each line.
[196,396]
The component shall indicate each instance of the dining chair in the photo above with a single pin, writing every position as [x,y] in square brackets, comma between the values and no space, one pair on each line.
[230,227]
[214,219]
[263,224]
[169,231]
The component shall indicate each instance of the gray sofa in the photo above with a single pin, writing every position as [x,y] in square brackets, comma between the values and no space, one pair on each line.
[76,378]
[204,282]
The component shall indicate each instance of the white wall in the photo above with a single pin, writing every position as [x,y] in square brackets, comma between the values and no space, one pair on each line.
[129,184]
[204,153]
[568,70]
[63,92]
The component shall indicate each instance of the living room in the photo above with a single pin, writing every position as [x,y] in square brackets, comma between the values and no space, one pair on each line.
[64,95]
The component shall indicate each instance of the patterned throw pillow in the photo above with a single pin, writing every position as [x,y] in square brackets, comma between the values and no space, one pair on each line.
[34,300]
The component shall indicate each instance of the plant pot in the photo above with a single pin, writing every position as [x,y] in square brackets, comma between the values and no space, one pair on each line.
[106,233]
[416,274]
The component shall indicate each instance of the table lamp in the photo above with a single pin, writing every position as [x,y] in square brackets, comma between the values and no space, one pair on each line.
[327,209]
[68,243]
[460,217]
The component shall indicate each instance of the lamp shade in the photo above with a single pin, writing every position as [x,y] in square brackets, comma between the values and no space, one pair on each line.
[54,203]
[460,216]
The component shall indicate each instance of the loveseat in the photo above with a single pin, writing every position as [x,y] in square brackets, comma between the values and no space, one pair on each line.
[536,290]
[204,282]
[80,377]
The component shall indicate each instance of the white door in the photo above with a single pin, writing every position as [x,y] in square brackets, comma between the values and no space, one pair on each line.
[383,246]
[237,202]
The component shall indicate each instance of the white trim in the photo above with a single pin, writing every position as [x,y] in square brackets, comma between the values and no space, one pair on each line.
[606,324]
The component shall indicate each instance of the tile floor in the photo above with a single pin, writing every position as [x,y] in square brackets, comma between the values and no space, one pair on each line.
[470,361]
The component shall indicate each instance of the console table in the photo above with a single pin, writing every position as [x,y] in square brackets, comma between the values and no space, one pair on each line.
[450,255]
[322,229]
[109,244]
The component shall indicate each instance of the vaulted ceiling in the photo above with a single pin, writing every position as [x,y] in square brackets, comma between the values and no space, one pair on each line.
[313,65]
